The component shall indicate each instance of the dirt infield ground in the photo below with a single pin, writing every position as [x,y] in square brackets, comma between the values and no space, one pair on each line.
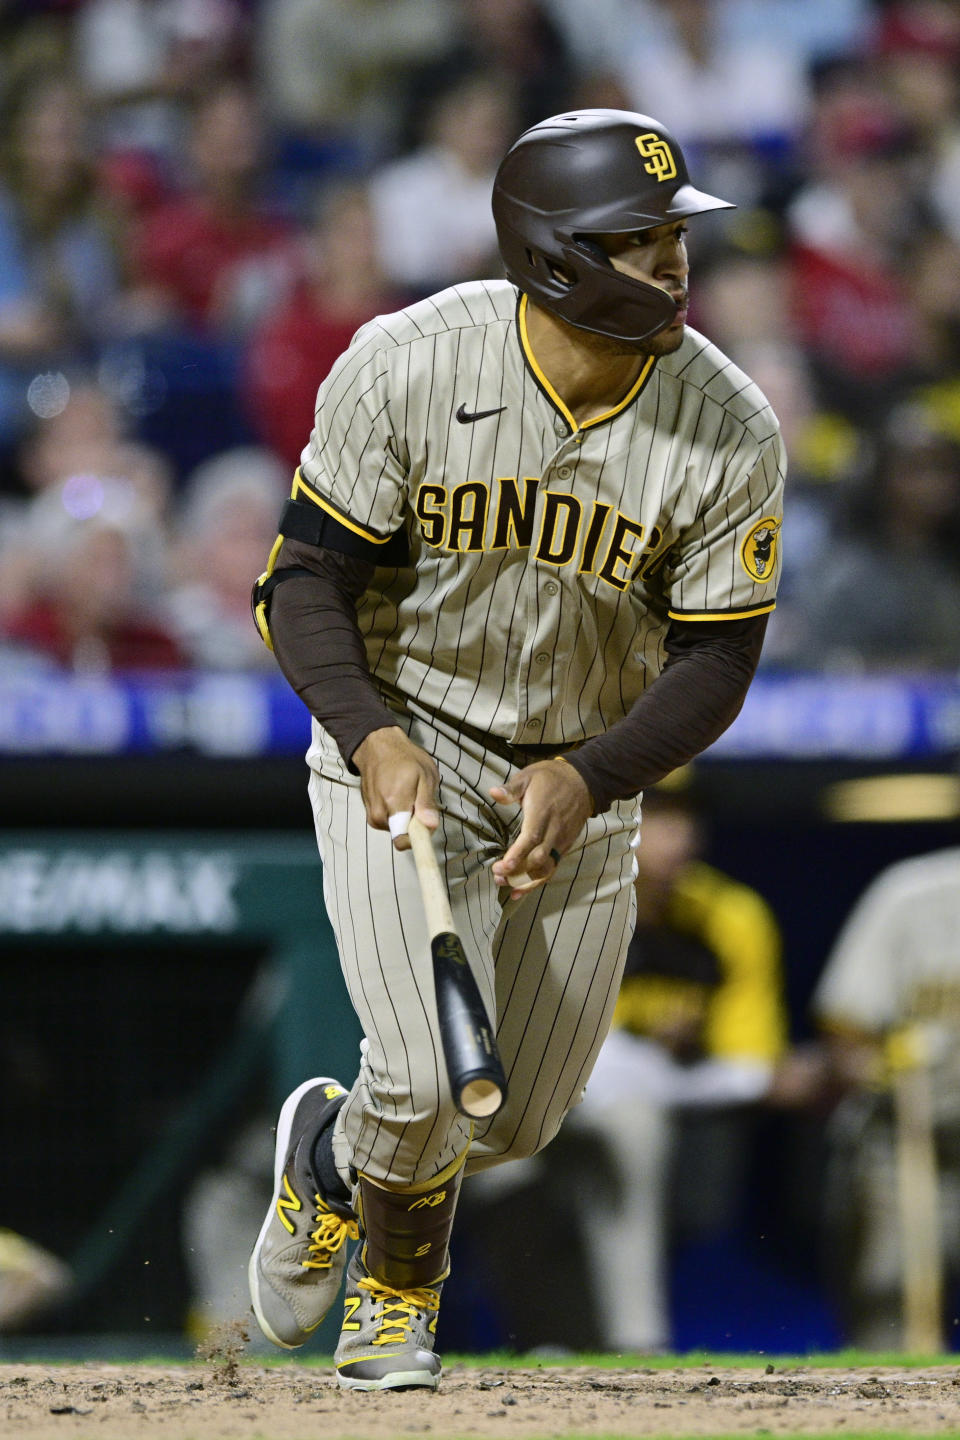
[230,1401]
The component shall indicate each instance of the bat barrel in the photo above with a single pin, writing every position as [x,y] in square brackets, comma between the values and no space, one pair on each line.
[479,1098]
[477,1081]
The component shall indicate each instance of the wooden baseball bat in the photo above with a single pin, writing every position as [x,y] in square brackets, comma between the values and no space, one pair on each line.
[918,1198]
[476,1075]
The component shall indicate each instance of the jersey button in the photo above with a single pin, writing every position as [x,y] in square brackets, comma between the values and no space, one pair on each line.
[543,658]
[564,472]
[551,587]
[533,725]
[560,426]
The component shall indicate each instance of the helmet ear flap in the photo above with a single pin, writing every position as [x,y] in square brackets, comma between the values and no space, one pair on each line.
[577,281]
[607,301]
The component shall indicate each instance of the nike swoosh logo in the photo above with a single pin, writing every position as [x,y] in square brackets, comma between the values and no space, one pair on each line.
[467,417]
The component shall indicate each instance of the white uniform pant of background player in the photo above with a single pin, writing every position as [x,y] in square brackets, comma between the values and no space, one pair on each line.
[548,965]
[630,1108]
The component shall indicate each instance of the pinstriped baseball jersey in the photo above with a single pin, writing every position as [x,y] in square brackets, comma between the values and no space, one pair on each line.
[547,556]
[897,958]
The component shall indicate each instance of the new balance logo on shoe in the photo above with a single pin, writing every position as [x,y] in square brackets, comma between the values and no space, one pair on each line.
[293,1202]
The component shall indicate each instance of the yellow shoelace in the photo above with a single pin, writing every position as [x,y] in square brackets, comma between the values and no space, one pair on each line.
[331,1233]
[400,1309]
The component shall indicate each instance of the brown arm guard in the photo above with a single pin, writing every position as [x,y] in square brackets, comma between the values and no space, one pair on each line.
[317,641]
[696,697]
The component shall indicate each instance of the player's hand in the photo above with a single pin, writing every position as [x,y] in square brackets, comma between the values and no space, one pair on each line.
[397,779]
[556,805]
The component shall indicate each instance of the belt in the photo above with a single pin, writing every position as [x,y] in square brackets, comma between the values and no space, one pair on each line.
[518,755]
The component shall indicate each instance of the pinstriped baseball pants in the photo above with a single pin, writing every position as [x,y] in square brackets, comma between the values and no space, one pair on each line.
[548,965]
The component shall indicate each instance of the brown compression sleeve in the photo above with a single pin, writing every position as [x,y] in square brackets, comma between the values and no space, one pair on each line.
[316,639]
[698,694]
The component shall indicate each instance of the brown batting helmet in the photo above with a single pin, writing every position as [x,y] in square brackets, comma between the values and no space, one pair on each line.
[587,173]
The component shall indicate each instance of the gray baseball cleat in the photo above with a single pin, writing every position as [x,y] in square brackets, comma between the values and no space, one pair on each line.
[298,1261]
[387,1338]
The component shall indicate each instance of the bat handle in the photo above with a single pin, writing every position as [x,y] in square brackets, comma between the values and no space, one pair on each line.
[436,902]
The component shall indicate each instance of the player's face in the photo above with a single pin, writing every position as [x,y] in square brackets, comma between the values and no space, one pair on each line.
[658,257]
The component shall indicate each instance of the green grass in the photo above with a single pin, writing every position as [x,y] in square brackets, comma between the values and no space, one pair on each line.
[510,1360]
[719,1360]
[860,1359]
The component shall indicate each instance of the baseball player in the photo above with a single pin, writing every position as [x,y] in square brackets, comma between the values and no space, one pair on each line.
[525,571]
[888,999]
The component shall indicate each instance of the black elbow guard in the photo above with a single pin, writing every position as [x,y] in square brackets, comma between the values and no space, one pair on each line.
[303,520]
[307,522]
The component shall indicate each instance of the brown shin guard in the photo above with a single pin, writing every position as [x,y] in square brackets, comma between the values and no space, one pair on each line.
[408,1231]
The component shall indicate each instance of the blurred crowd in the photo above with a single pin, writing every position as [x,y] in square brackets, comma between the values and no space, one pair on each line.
[201,201]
